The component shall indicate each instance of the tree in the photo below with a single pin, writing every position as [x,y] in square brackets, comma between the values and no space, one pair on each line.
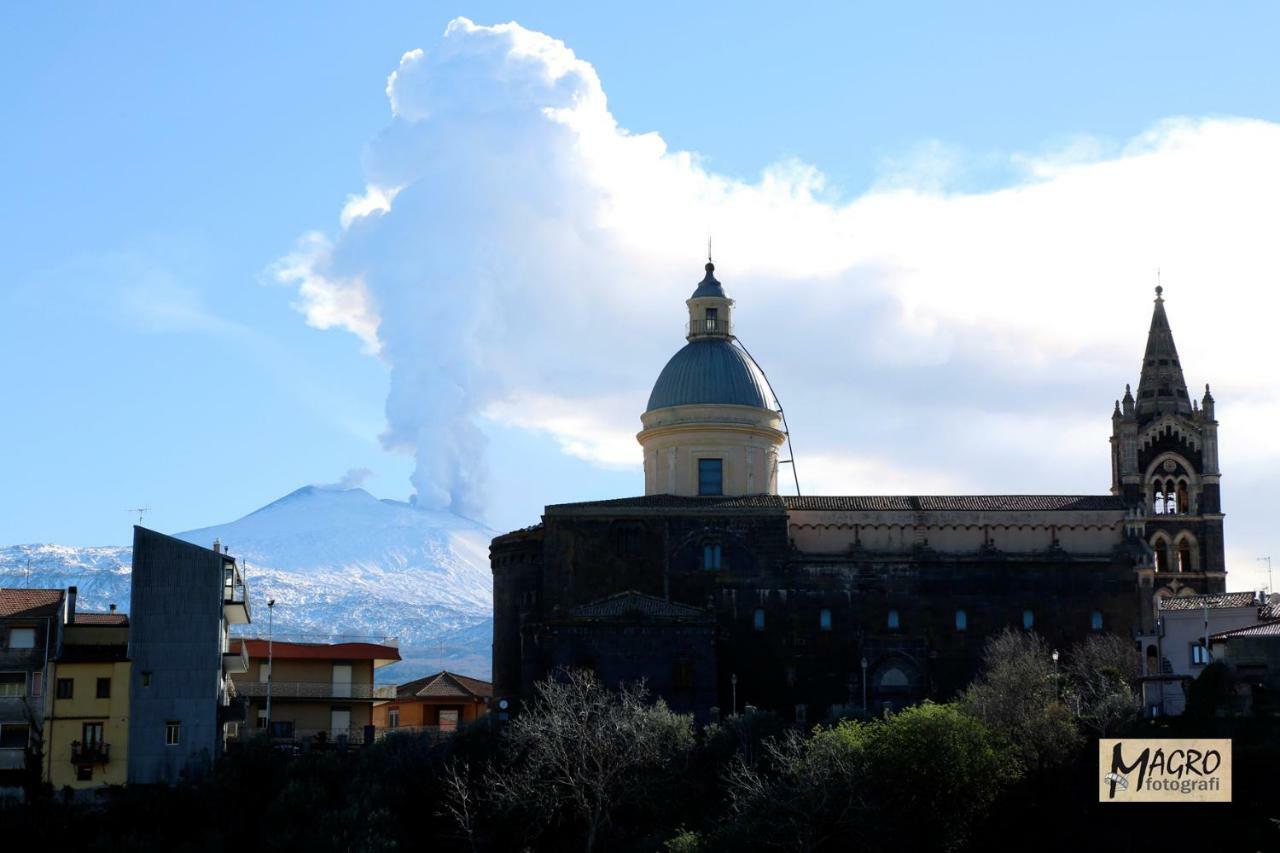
[802,795]
[579,753]
[1101,674]
[1016,696]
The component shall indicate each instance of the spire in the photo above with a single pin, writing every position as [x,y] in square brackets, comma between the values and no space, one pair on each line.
[1161,387]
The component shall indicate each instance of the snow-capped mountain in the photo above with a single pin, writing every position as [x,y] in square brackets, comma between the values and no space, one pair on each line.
[339,563]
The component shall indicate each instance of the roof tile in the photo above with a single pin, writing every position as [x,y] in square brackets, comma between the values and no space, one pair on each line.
[29,602]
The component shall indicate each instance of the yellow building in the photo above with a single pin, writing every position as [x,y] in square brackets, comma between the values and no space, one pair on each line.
[86,726]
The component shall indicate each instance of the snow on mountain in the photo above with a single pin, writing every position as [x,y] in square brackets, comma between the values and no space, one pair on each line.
[340,563]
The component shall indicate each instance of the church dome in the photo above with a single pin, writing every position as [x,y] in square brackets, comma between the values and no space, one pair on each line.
[711,371]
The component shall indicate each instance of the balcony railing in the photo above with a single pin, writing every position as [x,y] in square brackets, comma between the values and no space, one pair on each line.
[709,327]
[90,753]
[236,660]
[433,732]
[235,596]
[314,690]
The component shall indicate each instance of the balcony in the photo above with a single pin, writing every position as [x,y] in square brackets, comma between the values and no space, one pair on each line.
[711,327]
[235,595]
[234,661]
[286,690]
[90,753]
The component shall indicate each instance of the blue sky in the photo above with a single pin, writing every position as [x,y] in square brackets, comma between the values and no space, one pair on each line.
[162,161]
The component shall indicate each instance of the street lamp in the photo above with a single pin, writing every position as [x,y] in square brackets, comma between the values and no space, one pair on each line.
[864,687]
[1055,672]
[733,684]
[271,612]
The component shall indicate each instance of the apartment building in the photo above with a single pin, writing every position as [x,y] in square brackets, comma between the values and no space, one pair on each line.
[184,600]
[86,725]
[30,634]
[322,694]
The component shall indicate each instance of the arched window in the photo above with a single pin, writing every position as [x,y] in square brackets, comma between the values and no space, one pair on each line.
[1095,620]
[893,620]
[1162,555]
[1184,555]
[757,619]
[894,678]
[1170,497]
[711,556]
[824,619]
[1028,619]
[962,620]
[1184,505]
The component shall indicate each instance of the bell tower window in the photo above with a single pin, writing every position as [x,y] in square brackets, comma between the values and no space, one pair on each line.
[710,476]
[713,320]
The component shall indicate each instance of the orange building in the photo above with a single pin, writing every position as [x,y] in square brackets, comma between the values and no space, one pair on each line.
[437,703]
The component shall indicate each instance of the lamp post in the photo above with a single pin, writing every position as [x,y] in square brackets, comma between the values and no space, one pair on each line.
[271,612]
[1056,692]
[733,686]
[864,687]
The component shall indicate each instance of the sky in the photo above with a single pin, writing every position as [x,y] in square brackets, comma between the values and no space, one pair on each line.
[242,257]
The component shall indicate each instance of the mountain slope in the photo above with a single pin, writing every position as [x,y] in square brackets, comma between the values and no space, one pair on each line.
[338,563]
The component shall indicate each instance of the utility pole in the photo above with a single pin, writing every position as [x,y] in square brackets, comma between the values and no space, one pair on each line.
[271,675]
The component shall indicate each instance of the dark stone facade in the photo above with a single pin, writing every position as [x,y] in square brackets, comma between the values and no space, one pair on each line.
[798,661]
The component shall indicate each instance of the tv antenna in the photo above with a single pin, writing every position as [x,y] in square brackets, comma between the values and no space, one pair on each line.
[140,510]
[1270,587]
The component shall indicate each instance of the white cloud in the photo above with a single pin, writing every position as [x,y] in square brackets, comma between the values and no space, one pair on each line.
[534,263]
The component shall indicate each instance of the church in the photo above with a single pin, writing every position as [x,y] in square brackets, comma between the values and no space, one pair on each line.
[720,593]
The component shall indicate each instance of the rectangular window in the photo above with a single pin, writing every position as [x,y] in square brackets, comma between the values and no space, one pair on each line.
[13,685]
[14,736]
[37,685]
[893,622]
[91,735]
[172,732]
[710,476]
[824,619]
[282,729]
[262,718]
[393,718]
[710,556]
[757,619]
[22,638]
[1028,620]
[104,688]
[448,719]
[264,673]
[1199,654]
[84,773]
[65,688]
[146,679]
[962,620]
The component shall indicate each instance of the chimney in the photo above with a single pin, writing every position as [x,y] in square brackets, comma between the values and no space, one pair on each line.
[217,546]
[113,607]
[71,604]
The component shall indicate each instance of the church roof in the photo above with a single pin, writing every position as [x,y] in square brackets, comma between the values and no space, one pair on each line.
[709,286]
[711,371]
[1161,387]
[1247,598]
[865,503]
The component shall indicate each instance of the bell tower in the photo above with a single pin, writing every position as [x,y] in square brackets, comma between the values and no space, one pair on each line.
[1164,462]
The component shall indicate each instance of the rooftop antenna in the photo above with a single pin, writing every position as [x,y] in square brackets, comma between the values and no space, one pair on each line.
[140,510]
[1270,587]
[708,248]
